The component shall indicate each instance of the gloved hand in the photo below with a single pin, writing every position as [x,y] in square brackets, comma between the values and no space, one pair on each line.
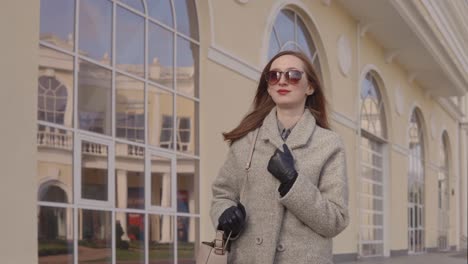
[281,165]
[232,220]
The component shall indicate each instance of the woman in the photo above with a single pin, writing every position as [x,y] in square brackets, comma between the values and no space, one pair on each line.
[295,198]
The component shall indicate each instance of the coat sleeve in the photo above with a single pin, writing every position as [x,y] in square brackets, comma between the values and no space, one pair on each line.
[324,208]
[226,187]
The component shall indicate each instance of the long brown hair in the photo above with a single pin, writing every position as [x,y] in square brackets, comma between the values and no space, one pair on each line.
[263,103]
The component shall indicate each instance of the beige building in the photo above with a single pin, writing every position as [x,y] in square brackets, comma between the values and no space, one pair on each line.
[112,113]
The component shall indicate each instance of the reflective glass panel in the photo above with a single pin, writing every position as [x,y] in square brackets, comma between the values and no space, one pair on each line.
[160,10]
[95,30]
[187,67]
[130,109]
[55,172]
[57,23]
[94,98]
[187,125]
[161,181]
[135,4]
[160,117]
[94,236]
[161,55]
[130,39]
[187,185]
[130,238]
[161,239]
[130,176]
[186,14]
[187,234]
[284,26]
[94,171]
[55,235]
[305,40]
[55,87]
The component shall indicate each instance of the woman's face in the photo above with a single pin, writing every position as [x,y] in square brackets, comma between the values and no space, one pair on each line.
[288,95]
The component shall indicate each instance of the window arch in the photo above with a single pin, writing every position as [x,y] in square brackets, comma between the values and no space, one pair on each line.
[371,195]
[51,100]
[416,195]
[289,32]
[443,193]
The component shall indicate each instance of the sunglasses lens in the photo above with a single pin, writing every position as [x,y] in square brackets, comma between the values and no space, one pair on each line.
[273,77]
[293,76]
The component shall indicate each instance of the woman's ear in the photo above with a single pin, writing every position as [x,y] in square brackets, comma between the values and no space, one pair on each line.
[310,91]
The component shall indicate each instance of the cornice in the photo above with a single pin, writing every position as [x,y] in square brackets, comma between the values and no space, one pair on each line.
[418,19]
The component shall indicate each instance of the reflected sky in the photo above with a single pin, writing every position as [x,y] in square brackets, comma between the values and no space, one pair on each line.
[57,18]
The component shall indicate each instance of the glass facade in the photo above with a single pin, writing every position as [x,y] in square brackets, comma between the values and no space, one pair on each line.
[117,138]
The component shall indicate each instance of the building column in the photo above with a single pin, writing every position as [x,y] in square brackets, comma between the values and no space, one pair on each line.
[122,195]
[166,203]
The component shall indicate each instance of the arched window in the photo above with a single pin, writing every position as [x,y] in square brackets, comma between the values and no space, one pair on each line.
[132,138]
[444,194]
[416,194]
[51,100]
[290,33]
[373,134]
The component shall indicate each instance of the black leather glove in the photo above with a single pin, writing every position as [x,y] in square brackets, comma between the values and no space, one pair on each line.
[281,165]
[232,220]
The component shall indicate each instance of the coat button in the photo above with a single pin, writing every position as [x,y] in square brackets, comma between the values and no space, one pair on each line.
[258,240]
[280,247]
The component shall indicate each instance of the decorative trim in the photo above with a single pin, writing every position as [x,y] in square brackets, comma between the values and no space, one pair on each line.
[346,257]
[433,125]
[398,253]
[450,108]
[344,120]
[345,57]
[414,17]
[242,2]
[234,63]
[399,101]
[400,149]
[326,2]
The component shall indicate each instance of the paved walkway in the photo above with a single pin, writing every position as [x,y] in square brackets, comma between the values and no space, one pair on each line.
[429,258]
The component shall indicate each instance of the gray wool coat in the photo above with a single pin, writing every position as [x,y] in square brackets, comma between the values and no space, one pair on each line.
[296,228]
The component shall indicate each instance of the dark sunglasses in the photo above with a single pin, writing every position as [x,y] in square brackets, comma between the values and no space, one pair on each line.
[292,76]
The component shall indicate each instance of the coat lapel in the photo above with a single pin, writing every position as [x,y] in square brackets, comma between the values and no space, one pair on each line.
[299,136]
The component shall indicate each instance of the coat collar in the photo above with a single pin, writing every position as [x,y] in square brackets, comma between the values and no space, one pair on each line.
[299,136]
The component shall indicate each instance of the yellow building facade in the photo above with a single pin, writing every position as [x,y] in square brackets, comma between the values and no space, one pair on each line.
[113,110]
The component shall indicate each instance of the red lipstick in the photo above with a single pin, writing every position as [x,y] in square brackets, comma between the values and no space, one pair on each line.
[282,91]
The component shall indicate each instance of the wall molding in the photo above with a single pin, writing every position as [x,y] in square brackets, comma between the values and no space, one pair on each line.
[452,109]
[400,149]
[233,62]
[344,120]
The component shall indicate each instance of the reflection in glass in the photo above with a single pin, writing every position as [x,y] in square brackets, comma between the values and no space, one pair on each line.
[55,172]
[161,55]
[305,42]
[160,10]
[55,235]
[161,239]
[94,171]
[130,108]
[186,15]
[55,87]
[57,23]
[285,27]
[186,126]
[95,29]
[130,39]
[130,176]
[187,185]
[130,238]
[94,98]
[187,234]
[160,116]
[94,236]
[187,67]
[136,4]
[161,181]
